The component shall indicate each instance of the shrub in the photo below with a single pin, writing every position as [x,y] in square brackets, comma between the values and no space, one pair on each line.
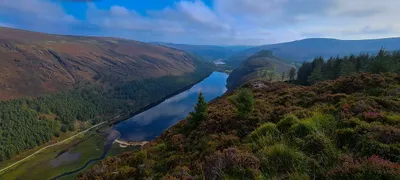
[265,129]
[233,162]
[373,168]
[281,159]
[317,123]
[284,124]
[319,147]
[393,119]
[345,137]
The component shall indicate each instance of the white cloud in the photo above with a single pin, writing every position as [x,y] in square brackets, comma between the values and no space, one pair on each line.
[225,22]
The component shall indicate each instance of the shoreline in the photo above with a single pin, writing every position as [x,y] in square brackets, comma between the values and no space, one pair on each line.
[125,117]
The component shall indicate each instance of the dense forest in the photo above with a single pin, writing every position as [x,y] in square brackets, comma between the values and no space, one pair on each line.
[29,122]
[320,70]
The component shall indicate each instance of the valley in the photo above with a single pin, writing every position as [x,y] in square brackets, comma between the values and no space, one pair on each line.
[89,146]
[81,107]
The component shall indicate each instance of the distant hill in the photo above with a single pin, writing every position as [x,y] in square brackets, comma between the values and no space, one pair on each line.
[207,52]
[262,65]
[307,49]
[34,63]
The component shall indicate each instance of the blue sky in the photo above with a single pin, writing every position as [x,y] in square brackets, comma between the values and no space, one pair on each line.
[219,22]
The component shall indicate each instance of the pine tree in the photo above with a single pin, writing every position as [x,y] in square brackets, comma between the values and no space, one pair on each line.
[200,111]
[244,102]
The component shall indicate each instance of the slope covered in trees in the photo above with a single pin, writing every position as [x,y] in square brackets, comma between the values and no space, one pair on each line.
[320,69]
[262,65]
[348,128]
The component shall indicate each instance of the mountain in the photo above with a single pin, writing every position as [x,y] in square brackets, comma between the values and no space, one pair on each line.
[208,52]
[262,65]
[307,49]
[339,129]
[34,64]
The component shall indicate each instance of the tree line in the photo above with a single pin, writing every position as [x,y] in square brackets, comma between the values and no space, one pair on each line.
[320,69]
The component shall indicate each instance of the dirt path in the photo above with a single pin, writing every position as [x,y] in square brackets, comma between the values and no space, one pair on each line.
[49,146]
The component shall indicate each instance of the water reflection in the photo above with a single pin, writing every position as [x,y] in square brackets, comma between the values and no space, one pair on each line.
[151,123]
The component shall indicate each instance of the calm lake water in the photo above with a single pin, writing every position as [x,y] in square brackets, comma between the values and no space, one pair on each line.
[151,123]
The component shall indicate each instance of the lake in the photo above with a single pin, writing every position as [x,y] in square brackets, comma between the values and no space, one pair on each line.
[151,123]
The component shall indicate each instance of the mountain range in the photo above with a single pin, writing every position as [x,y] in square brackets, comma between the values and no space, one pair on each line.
[307,49]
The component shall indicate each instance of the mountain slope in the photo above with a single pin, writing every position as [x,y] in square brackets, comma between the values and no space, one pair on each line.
[307,49]
[34,63]
[332,130]
[208,52]
[262,65]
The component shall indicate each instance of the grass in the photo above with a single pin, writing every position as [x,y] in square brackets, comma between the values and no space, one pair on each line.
[38,167]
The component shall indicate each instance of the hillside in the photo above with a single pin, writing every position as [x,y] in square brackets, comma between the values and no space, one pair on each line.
[262,65]
[33,64]
[307,49]
[52,85]
[208,52]
[338,129]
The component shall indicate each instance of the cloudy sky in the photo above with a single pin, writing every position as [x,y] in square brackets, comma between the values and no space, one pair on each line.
[220,22]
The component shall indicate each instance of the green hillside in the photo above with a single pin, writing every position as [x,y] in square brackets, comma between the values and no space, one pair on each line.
[261,66]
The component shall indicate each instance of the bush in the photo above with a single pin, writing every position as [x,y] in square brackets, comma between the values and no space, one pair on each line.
[321,123]
[373,168]
[284,124]
[280,159]
[265,129]
[320,148]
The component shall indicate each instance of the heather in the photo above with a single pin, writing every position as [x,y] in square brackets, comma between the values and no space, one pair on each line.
[338,129]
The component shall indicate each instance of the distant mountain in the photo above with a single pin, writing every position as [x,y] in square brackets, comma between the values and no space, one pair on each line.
[33,63]
[307,49]
[208,52]
[262,65]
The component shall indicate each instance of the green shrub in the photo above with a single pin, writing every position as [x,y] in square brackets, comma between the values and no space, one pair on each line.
[320,148]
[317,123]
[284,124]
[345,137]
[281,159]
[265,129]
[393,119]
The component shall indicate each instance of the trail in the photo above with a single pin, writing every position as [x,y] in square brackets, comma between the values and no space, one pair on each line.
[49,146]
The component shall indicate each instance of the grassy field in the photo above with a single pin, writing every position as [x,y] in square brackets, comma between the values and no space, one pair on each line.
[38,167]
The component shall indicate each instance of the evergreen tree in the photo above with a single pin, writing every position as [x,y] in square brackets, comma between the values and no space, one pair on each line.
[244,102]
[292,73]
[200,111]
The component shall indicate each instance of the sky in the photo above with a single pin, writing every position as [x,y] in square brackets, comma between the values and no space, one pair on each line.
[207,22]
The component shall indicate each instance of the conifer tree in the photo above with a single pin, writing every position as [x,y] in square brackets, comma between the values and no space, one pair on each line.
[200,110]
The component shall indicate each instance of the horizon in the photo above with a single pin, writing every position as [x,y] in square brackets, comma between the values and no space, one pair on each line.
[207,22]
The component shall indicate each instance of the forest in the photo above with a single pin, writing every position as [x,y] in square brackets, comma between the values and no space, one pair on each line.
[29,122]
[319,70]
